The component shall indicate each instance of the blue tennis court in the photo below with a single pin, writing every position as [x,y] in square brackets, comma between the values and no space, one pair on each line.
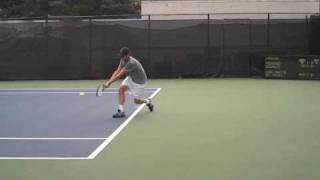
[60,123]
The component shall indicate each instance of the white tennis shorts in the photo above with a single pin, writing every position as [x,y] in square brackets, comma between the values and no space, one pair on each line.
[134,89]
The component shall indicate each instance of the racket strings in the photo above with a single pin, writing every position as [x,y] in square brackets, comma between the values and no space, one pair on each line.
[100,90]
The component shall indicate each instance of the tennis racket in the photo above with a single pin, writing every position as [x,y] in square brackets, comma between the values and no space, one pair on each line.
[100,90]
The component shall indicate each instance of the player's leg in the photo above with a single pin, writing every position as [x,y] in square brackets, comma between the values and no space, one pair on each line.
[140,101]
[137,92]
[125,86]
[148,102]
[122,96]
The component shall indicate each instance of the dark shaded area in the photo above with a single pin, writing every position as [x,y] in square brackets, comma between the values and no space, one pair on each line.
[314,35]
[87,49]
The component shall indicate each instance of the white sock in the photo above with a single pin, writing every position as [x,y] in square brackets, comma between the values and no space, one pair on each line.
[147,101]
[121,108]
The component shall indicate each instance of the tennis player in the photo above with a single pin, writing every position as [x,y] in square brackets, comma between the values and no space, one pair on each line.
[134,81]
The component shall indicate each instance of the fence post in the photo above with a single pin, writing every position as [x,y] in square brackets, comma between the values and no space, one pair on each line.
[223,49]
[91,72]
[208,46]
[268,32]
[307,32]
[47,36]
[149,45]
[250,48]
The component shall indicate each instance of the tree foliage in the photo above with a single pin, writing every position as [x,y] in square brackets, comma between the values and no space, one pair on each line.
[36,8]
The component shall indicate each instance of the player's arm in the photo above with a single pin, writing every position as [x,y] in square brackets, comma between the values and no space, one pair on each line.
[115,76]
[115,73]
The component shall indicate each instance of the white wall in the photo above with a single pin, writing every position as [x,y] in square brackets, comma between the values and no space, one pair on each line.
[228,6]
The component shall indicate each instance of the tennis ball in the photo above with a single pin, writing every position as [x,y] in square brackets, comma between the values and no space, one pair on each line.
[81,93]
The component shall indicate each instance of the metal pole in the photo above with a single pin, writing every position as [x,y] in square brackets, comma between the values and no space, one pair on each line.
[250,47]
[149,45]
[222,53]
[47,34]
[208,45]
[268,32]
[307,32]
[47,8]
[91,72]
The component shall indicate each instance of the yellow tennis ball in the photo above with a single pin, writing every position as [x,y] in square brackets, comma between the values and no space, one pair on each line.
[81,93]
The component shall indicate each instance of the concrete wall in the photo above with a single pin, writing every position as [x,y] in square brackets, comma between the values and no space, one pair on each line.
[169,7]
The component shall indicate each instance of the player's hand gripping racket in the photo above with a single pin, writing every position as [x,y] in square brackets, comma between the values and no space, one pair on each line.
[100,90]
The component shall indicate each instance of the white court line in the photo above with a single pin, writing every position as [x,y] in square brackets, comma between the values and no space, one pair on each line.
[58,138]
[120,128]
[46,158]
[55,89]
[51,92]
[43,158]
[56,92]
